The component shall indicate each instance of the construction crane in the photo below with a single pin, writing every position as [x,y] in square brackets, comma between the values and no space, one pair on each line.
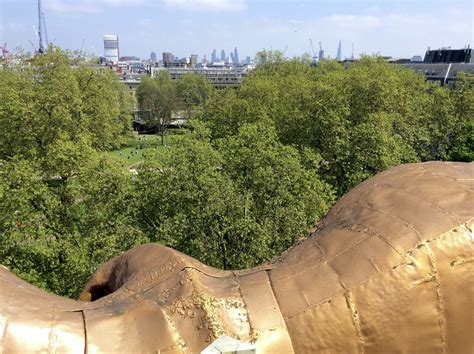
[45,30]
[312,50]
[42,34]
[33,46]
[4,50]
[321,52]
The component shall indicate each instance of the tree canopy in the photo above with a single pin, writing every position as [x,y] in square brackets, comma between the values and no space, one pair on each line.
[361,118]
[233,205]
[258,166]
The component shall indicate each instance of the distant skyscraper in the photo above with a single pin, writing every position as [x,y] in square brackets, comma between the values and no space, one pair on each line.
[204,59]
[222,55]
[232,58]
[214,56]
[153,57]
[193,60]
[321,52]
[167,58]
[248,60]
[236,56]
[111,48]
[339,51]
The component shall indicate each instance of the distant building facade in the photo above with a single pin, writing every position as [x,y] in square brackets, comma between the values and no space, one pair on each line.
[443,65]
[167,58]
[111,48]
[193,60]
[218,76]
[153,57]
[236,56]
[448,55]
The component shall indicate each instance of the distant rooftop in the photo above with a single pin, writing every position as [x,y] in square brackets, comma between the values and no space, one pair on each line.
[448,55]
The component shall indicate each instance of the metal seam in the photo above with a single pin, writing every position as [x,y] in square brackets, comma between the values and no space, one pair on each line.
[284,328]
[418,199]
[355,320]
[83,315]
[405,222]
[237,280]
[439,297]
[442,235]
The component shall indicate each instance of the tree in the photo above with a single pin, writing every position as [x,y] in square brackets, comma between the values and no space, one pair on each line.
[106,106]
[331,108]
[64,215]
[47,99]
[462,138]
[157,97]
[65,207]
[233,206]
[193,91]
[186,202]
[279,186]
[269,57]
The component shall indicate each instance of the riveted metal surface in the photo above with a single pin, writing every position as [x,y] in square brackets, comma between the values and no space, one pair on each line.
[398,302]
[327,328]
[454,256]
[267,326]
[388,270]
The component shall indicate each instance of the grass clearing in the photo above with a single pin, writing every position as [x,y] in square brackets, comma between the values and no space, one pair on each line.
[134,149]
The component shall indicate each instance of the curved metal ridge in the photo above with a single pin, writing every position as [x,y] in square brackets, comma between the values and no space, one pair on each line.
[389,269]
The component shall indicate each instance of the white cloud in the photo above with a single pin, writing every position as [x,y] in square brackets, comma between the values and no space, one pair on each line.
[90,6]
[355,22]
[208,5]
[95,6]
[72,6]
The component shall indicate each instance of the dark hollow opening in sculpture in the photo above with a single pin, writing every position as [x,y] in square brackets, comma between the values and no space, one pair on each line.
[99,291]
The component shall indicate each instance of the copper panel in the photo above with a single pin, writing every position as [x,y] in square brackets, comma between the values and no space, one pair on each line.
[364,260]
[388,270]
[397,304]
[454,256]
[324,328]
[142,326]
[267,325]
[414,211]
[317,284]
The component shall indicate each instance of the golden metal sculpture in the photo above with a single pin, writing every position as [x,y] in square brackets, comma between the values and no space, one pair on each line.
[388,270]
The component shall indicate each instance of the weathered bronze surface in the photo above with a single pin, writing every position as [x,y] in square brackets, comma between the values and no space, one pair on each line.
[390,269]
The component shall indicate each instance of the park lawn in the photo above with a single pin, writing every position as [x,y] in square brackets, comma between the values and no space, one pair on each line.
[134,149]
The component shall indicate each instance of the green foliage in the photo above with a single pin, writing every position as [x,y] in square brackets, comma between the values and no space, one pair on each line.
[49,100]
[65,208]
[462,137]
[193,91]
[269,57]
[157,97]
[232,206]
[64,215]
[259,166]
[360,118]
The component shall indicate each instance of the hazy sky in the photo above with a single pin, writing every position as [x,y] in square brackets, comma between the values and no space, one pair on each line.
[400,28]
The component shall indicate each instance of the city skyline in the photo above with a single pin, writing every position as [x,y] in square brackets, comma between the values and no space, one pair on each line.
[399,28]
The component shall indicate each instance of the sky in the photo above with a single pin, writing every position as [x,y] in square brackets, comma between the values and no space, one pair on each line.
[397,28]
